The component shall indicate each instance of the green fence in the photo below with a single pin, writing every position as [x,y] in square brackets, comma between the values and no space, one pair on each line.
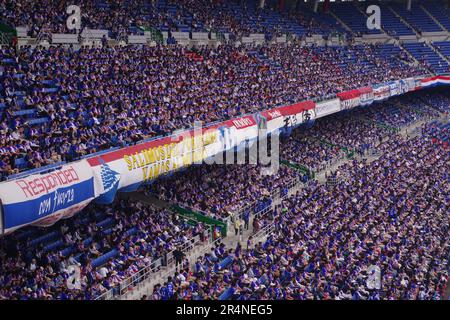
[7,32]
[303,169]
[388,127]
[196,217]
[349,152]
[156,34]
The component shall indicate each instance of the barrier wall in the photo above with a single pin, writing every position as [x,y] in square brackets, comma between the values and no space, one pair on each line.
[126,169]
[350,99]
[381,92]
[433,82]
[366,95]
[287,116]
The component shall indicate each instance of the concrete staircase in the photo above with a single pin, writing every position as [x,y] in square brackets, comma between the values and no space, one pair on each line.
[146,287]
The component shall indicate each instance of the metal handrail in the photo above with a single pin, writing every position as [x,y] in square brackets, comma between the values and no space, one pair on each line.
[267,230]
[145,272]
[173,268]
[138,277]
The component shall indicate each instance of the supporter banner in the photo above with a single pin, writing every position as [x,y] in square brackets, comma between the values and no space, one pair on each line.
[271,120]
[308,114]
[381,92]
[239,131]
[394,88]
[43,199]
[327,107]
[366,95]
[411,83]
[402,86]
[288,116]
[349,99]
[126,169]
[434,81]
[418,83]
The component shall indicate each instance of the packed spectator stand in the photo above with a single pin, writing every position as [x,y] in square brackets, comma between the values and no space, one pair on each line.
[113,242]
[234,17]
[208,188]
[55,110]
[60,104]
[108,244]
[390,216]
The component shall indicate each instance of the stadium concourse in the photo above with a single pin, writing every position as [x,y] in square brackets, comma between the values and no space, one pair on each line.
[358,209]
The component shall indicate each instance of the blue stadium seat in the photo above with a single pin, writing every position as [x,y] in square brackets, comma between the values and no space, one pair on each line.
[68,251]
[20,163]
[104,258]
[227,294]
[225,262]
[45,238]
[105,223]
[38,121]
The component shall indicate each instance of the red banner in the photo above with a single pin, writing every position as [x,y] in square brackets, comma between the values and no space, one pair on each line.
[365,90]
[242,123]
[352,94]
[288,110]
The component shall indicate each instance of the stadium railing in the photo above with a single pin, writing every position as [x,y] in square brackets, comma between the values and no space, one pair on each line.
[174,268]
[146,272]
[201,216]
[264,232]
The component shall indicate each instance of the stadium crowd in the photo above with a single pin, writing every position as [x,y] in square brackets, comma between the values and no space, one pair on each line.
[236,18]
[439,99]
[310,152]
[223,190]
[60,104]
[208,189]
[404,188]
[112,15]
[108,244]
[388,218]
[332,138]
[405,110]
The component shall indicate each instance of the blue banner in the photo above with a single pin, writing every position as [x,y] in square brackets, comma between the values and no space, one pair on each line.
[43,199]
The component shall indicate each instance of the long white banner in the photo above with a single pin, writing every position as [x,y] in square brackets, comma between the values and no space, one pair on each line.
[328,107]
